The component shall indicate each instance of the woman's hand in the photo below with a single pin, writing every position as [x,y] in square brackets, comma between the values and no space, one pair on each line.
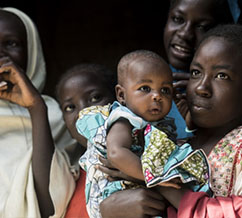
[15,85]
[133,203]
[181,80]
[180,92]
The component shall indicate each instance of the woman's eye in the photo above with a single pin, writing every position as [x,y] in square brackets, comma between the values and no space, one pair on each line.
[222,76]
[11,43]
[203,28]
[195,73]
[145,89]
[69,108]
[95,98]
[166,91]
[178,19]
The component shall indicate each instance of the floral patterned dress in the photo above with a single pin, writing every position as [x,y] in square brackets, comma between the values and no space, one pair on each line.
[225,161]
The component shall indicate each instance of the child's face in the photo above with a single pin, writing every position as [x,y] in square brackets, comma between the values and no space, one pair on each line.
[214,90]
[13,39]
[76,93]
[148,89]
[187,21]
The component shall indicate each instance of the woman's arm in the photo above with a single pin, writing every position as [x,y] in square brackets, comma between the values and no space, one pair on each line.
[143,203]
[119,141]
[199,205]
[18,89]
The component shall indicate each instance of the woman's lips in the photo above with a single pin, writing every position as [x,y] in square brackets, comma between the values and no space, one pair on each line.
[181,51]
[201,107]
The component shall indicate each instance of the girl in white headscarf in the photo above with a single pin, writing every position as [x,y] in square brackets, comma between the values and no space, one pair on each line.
[35,176]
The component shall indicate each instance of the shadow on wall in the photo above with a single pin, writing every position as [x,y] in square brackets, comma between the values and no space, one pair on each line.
[93,31]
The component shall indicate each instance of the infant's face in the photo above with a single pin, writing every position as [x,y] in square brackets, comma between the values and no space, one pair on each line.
[148,89]
[77,93]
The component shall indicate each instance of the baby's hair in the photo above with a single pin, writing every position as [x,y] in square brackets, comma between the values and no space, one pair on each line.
[229,32]
[221,10]
[130,57]
[104,75]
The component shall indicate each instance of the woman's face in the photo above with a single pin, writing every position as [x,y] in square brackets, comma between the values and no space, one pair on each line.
[187,21]
[214,89]
[13,37]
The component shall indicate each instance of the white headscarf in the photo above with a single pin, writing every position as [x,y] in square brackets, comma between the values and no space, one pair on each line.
[36,65]
[17,193]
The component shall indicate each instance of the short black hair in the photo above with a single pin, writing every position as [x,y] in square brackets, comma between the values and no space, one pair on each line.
[130,57]
[229,32]
[102,73]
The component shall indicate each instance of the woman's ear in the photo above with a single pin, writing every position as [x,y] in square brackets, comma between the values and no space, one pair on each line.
[120,94]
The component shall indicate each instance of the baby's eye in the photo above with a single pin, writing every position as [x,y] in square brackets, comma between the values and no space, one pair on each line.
[195,73]
[223,76]
[69,108]
[166,91]
[178,19]
[145,89]
[95,98]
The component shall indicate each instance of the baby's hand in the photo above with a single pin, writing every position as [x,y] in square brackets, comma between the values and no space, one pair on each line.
[112,173]
[15,85]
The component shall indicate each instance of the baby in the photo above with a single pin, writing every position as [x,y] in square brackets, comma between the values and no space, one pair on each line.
[136,125]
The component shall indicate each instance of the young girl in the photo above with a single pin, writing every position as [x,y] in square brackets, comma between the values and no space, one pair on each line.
[145,88]
[34,173]
[187,22]
[82,86]
[215,102]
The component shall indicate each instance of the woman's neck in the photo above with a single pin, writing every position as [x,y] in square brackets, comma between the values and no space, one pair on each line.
[207,138]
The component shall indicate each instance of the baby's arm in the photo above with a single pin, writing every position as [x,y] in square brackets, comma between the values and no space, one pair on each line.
[119,141]
[19,90]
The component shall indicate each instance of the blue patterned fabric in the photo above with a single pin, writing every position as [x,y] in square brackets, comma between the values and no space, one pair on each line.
[93,123]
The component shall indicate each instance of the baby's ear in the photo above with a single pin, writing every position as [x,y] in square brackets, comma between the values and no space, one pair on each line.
[120,94]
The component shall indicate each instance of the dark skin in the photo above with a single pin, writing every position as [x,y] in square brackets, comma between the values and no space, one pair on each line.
[214,91]
[80,90]
[146,91]
[187,22]
[17,88]
[143,203]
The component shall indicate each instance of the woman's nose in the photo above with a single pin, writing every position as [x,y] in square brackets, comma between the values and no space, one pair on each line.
[2,51]
[186,32]
[204,88]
